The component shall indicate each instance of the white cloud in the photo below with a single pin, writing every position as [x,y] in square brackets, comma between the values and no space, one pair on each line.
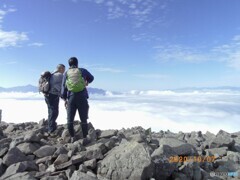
[180,53]
[36,44]
[10,38]
[152,76]
[106,69]
[145,37]
[102,68]
[160,110]
[228,53]
[137,11]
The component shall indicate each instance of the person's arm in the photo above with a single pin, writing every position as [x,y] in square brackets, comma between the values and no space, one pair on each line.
[87,75]
[64,87]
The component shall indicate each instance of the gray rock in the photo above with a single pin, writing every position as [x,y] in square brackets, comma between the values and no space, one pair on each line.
[92,134]
[128,161]
[224,165]
[62,158]
[74,160]
[1,134]
[42,167]
[69,173]
[80,175]
[100,146]
[93,154]
[60,150]
[193,142]
[3,152]
[91,164]
[223,133]
[110,143]
[2,167]
[163,152]
[13,156]
[108,133]
[28,148]
[66,136]
[179,176]
[233,156]
[163,162]
[51,168]
[237,139]
[45,151]
[208,135]
[31,137]
[56,177]
[23,176]
[19,167]
[90,173]
[192,170]
[180,147]
[44,160]
[222,141]
[217,151]
[5,143]
[17,141]
[10,128]
[43,122]
[138,138]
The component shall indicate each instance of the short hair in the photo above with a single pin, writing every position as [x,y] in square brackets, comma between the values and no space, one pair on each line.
[73,61]
[60,65]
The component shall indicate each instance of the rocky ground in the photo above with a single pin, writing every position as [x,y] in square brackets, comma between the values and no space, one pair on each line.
[27,151]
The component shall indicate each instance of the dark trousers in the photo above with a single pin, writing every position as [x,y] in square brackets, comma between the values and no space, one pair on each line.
[79,102]
[53,105]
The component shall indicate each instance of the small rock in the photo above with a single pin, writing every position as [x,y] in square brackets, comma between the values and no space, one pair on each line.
[45,151]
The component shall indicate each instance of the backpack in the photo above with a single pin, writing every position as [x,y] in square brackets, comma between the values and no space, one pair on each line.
[44,82]
[75,81]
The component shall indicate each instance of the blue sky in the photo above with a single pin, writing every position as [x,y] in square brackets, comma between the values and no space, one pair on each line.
[125,44]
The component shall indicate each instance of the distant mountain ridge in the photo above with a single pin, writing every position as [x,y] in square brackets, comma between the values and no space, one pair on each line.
[31,88]
[232,88]
[26,88]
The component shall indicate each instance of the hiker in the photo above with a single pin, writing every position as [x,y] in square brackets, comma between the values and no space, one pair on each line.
[52,97]
[75,94]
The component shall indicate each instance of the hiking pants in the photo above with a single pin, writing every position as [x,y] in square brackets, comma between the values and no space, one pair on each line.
[52,101]
[77,101]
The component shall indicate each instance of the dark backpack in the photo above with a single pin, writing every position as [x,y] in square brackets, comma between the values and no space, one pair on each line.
[44,82]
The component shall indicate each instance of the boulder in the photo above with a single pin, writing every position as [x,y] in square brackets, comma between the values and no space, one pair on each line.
[31,137]
[108,133]
[80,175]
[217,151]
[20,167]
[45,151]
[13,156]
[127,161]
[180,147]
[28,148]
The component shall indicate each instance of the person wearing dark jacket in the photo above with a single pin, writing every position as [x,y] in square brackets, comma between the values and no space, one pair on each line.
[76,101]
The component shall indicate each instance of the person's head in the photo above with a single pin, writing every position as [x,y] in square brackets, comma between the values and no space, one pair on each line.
[73,61]
[61,68]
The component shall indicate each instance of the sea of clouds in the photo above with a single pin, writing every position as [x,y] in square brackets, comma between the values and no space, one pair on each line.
[159,110]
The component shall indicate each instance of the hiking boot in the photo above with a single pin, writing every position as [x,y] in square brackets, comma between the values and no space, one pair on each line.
[85,141]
